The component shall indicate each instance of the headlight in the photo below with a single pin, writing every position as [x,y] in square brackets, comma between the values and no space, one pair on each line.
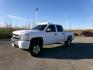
[24,37]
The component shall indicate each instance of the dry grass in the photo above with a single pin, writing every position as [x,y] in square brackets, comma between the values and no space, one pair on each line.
[6,33]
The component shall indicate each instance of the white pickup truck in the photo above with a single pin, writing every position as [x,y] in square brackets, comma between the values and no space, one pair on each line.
[42,34]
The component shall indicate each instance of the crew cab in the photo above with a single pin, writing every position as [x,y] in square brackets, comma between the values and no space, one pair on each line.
[43,34]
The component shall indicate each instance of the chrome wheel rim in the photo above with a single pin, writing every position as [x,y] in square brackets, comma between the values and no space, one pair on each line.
[36,49]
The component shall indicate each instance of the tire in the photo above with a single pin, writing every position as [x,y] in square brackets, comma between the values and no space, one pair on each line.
[35,48]
[68,42]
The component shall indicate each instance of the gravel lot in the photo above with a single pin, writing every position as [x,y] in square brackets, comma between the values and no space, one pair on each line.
[54,57]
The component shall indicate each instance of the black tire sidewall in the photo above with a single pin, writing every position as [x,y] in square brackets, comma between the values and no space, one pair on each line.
[66,42]
[32,47]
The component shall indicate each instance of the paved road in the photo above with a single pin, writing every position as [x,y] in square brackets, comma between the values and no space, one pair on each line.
[54,57]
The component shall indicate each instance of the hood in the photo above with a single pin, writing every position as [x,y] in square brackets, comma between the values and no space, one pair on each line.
[19,32]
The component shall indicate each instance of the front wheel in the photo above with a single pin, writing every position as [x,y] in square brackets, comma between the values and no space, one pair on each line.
[35,49]
[68,42]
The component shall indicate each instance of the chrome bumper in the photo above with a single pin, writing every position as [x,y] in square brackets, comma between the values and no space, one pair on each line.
[20,44]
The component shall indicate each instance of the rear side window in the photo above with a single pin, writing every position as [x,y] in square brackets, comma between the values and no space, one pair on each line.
[59,28]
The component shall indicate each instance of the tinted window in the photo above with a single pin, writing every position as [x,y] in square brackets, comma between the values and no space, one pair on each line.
[39,27]
[59,28]
[52,28]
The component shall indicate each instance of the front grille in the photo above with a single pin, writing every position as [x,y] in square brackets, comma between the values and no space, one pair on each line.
[16,37]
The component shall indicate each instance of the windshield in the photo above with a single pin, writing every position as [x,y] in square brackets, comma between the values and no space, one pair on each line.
[39,27]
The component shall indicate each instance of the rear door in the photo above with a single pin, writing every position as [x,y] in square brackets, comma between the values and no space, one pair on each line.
[60,33]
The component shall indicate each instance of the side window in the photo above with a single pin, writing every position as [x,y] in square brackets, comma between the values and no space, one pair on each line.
[51,28]
[59,28]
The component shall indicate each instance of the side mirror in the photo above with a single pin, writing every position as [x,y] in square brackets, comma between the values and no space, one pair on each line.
[48,30]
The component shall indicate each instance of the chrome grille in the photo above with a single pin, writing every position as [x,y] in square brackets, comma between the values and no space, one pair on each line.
[17,37]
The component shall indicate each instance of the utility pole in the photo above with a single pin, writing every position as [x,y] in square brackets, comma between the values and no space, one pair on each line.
[36,14]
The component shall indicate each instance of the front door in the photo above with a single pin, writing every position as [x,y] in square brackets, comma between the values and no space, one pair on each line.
[50,35]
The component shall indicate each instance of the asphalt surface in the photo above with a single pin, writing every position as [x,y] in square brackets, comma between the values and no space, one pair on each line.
[53,57]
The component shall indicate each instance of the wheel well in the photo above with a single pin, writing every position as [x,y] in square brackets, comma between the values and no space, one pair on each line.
[37,40]
[69,37]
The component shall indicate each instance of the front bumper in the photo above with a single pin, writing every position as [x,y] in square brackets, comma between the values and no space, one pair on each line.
[20,44]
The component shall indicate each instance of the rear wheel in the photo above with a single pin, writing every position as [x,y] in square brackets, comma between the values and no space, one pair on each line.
[68,42]
[35,48]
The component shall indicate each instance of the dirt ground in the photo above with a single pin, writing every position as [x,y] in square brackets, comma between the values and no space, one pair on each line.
[53,57]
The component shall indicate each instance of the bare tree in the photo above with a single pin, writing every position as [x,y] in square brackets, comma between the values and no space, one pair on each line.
[7,25]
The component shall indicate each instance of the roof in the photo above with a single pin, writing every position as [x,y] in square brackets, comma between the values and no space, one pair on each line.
[45,23]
